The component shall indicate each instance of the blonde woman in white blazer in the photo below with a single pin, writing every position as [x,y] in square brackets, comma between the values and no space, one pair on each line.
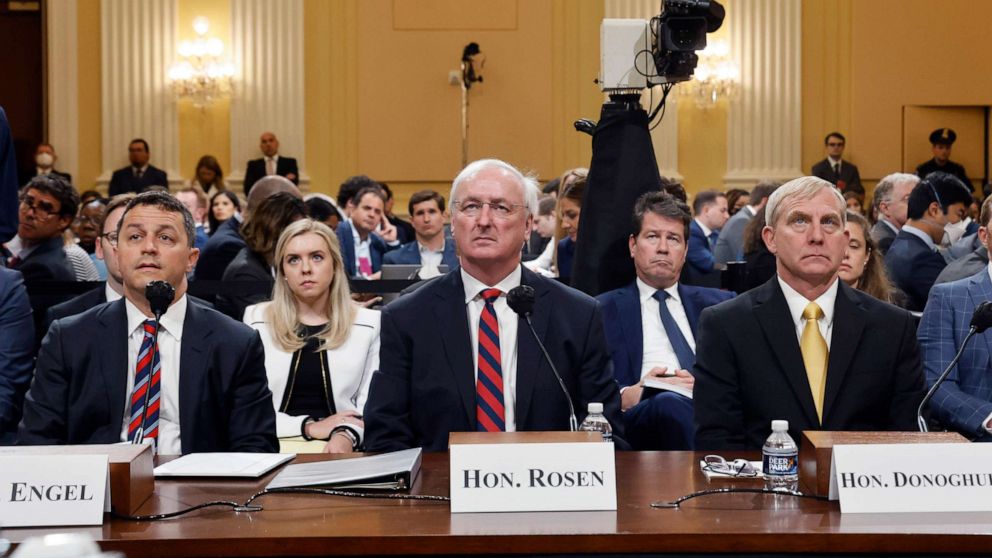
[320,348]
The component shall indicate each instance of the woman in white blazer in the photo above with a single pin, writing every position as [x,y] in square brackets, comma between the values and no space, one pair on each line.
[320,348]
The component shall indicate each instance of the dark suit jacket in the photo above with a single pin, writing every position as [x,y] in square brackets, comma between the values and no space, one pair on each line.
[965,267]
[377,249]
[425,386]
[565,256]
[883,235]
[123,180]
[698,269]
[622,320]
[256,170]
[914,268]
[247,266]
[410,254]
[9,183]
[220,250]
[33,172]
[87,300]
[47,262]
[79,390]
[950,168]
[16,351]
[749,370]
[849,179]
[404,231]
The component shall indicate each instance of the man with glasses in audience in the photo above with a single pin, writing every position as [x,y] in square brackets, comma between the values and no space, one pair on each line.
[891,200]
[455,357]
[835,170]
[47,207]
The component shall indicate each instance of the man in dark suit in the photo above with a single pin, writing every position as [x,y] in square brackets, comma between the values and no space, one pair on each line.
[361,248]
[941,141]
[221,248]
[207,390]
[9,183]
[429,248]
[891,200]
[913,260]
[804,346]
[16,356]
[48,206]
[651,327]
[455,357]
[139,175]
[271,164]
[835,170]
[964,401]
[44,158]
[710,207]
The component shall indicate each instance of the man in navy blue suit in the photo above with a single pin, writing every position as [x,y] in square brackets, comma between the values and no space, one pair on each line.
[913,260]
[16,347]
[963,402]
[210,392]
[455,357]
[651,327]
[710,207]
[430,248]
[362,248]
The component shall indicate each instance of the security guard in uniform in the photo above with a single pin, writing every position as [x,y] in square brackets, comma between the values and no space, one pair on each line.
[942,139]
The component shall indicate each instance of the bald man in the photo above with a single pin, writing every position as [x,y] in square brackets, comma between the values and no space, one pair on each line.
[271,164]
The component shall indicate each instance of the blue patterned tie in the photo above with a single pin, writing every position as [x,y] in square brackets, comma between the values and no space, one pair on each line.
[145,378]
[687,358]
[489,411]
[713,238]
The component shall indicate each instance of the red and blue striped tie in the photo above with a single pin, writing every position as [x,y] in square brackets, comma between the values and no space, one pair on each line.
[489,412]
[146,378]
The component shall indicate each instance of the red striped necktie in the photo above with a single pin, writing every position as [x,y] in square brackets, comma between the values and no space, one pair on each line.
[147,376]
[489,412]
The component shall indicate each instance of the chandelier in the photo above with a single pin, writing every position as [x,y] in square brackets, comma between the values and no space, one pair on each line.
[717,76]
[201,74]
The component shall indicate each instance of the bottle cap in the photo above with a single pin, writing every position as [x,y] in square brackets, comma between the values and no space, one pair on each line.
[595,408]
[780,425]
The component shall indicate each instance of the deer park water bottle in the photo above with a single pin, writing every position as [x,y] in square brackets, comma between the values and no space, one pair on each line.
[596,422]
[780,459]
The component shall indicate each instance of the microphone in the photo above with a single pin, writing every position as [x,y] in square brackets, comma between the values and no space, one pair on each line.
[521,300]
[159,295]
[981,320]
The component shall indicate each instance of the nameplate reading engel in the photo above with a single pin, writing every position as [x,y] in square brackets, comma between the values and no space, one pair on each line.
[52,490]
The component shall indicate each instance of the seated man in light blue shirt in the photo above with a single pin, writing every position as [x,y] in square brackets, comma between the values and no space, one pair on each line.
[430,249]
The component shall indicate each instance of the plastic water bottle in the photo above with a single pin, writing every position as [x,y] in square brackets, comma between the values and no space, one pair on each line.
[596,422]
[780,459]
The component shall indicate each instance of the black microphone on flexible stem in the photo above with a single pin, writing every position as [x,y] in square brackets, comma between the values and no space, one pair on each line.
[159,295]
[981,320]
[521,300]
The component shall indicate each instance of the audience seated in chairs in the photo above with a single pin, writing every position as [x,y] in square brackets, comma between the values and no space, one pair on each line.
[320,348]
[361,247]
[223,206]
[862,267]
[569,214]
[429,249]
[255,261]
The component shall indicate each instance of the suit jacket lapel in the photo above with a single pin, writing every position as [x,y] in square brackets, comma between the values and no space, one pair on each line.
[773,316]
[849,322]
[457,342]
[980,290]
[692,305]
[629,311]
[529,357]
[192,370]
[113,358]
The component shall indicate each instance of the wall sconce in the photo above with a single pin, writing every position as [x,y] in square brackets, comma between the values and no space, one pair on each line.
[201,74]
[717,76]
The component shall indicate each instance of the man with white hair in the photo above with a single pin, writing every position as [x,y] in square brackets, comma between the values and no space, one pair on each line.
[804,346]
[456,357]
[891,200]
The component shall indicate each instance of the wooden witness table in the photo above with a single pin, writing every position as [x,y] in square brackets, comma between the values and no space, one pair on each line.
[316,525]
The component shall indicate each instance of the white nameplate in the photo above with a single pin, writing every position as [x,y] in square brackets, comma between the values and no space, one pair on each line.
[52,490]
[885,478]
[533,477]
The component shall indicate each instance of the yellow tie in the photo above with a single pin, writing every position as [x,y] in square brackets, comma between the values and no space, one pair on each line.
[814,350]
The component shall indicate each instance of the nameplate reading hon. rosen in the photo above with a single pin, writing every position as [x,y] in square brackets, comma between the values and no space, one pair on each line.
[52,490]
[885,478]
[533,477]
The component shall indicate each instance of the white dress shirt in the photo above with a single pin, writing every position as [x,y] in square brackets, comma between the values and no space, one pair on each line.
[430,260]
[362,249]
[169,350]
[508,321]
[797,303]
[835,164]
[658,350]
[111,294]
[706,230]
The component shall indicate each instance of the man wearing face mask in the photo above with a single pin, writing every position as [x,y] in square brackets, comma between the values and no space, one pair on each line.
[44,160]
[913,261]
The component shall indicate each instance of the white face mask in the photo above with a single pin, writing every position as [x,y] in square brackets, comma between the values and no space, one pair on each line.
[44,160]
[954,232]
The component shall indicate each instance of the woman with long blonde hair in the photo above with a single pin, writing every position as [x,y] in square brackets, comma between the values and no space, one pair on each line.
[320,348]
